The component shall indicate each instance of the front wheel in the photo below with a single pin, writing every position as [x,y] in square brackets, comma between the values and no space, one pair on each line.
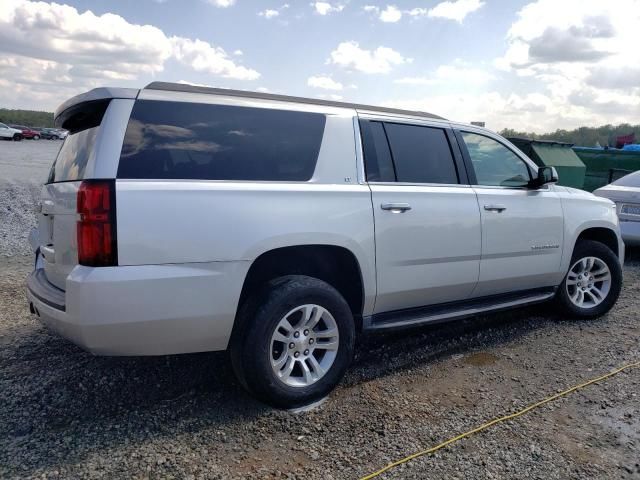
[593,283]
[17,137]
[36,137]
[294,342]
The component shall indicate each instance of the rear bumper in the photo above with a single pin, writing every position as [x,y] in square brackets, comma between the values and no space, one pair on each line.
[142,310]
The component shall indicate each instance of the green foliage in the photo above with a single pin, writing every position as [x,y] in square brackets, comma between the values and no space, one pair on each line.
[29,118]
[583,136]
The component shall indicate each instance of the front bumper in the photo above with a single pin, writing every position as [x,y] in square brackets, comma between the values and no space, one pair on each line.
[142,310]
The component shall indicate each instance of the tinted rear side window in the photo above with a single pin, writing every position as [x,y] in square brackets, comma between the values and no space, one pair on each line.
[421,154]
[179,140]
[377,156]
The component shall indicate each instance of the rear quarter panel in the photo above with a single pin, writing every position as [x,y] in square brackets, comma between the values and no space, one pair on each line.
[186,221]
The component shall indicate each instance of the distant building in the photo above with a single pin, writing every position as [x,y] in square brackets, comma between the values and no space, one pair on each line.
[478,124]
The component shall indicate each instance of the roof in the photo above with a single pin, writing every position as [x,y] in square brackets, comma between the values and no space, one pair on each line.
[183,87]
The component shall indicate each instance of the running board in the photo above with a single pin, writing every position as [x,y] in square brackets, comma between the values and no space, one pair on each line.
[455,310]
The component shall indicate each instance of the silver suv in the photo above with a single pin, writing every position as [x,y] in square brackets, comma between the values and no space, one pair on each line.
[185,219]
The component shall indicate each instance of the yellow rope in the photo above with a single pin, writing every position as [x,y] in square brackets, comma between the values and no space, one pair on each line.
[498,420]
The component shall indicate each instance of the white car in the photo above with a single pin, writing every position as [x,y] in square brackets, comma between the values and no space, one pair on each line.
[625,192]
[185,219]
[8,133]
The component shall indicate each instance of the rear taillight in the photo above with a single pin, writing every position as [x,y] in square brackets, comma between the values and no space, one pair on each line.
[97,246]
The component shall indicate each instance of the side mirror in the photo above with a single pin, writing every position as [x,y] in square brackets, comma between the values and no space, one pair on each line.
[545,175]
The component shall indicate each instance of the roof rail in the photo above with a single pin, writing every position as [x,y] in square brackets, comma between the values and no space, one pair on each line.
[183,87]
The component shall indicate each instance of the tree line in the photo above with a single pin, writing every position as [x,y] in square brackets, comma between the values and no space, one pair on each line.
[29,118]
[583,136]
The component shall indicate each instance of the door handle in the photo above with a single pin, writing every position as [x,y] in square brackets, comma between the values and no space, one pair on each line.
[396,207]
[495,208]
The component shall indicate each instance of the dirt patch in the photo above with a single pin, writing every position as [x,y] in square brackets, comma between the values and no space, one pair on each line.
[480,359]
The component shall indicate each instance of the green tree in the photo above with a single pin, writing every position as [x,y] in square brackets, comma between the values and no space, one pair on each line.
[29,118]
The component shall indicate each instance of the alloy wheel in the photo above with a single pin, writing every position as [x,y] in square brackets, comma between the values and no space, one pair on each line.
[588,282]
[304,345]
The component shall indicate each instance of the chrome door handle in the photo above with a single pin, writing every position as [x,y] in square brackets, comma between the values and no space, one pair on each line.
[495,208]
[396,207]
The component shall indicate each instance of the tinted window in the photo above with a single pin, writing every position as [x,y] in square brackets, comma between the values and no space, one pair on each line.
[73,156]
[219,142]
[421,154]
[494,163]
[377,157]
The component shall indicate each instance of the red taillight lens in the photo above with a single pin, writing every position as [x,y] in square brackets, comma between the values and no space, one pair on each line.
[97,224]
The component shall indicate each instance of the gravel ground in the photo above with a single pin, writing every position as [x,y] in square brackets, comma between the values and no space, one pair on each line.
[24,167]
[67,414]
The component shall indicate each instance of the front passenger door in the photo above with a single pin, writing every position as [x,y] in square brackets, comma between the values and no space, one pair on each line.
[522,228]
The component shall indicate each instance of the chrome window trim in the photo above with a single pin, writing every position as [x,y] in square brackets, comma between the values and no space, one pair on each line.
[408,184]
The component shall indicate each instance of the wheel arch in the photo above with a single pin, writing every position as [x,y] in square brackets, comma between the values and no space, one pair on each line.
[336,265]
[604,235]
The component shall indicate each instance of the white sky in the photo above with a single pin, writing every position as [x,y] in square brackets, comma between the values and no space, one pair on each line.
[533,66]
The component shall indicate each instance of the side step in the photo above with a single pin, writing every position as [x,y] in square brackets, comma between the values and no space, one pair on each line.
[455,310]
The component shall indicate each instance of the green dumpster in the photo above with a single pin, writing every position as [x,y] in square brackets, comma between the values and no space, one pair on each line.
[571,170]
[605,165]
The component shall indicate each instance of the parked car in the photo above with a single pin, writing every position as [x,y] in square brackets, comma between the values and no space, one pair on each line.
[51,134]
[185,219]
[8,133]
[27,132]
[625,192]
[61,133]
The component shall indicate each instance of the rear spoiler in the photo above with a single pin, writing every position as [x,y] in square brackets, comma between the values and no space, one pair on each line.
[96,96]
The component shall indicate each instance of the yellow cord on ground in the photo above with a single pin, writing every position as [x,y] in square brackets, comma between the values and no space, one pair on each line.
[498,420]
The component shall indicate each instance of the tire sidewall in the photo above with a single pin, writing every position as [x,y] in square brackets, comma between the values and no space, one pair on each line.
[293,293]
[588,248]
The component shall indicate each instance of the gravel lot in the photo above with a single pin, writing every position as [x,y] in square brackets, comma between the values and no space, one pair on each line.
[24,167]
[67,414]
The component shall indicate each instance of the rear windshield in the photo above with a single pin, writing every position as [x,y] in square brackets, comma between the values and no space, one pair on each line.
[83,122]
[74,154]
[180,140]
[631,180]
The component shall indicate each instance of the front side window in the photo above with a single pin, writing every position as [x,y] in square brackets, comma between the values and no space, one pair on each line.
[494,164]
[421,154]
[181,140]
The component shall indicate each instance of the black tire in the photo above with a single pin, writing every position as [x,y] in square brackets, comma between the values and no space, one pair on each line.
[590,248]
[17,137]
[257,320]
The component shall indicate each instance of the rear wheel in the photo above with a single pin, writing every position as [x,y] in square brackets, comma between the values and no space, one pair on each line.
[593,283]
[36,137]
[294,341]
[17,137]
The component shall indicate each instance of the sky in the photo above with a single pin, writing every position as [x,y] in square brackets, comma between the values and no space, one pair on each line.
[529,65]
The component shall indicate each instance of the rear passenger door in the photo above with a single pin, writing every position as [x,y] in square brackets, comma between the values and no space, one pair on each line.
[427,222]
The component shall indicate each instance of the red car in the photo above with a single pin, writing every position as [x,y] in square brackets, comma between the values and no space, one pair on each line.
[27,132]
